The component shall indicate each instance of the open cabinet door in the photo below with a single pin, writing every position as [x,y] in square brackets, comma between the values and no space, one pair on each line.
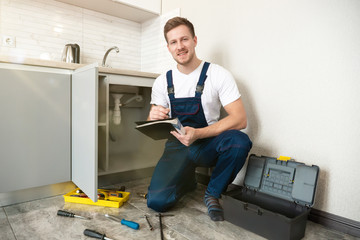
[85,129]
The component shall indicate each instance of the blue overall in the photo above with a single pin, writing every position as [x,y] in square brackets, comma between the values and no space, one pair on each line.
[174,174]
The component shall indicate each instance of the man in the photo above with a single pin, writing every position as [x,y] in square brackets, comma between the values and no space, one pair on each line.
[194,92]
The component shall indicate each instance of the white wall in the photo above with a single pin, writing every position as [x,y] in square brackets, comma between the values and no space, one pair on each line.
[297,64]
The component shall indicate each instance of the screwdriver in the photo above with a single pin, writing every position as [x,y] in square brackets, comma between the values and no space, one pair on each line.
[69,214]
[130,224]
[94,234]
[148,221]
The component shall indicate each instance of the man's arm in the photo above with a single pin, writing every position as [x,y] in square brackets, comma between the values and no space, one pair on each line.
[236,119]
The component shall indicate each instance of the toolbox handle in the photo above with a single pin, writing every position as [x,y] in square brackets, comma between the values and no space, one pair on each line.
[257,211]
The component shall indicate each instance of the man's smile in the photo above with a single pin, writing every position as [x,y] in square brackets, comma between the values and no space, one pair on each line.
[182,53]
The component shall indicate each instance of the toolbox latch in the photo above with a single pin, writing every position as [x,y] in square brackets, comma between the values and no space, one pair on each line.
[284,158]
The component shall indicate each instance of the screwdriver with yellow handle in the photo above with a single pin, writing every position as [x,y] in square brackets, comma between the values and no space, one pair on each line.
[70,214]
[94,234]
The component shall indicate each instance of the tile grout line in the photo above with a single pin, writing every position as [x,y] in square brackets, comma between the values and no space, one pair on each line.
[7,218]
[178,232]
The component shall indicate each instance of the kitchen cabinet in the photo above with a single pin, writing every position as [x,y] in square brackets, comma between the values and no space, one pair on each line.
[56,125]
[100,147]
[35,128]
[134,10]
[147,5]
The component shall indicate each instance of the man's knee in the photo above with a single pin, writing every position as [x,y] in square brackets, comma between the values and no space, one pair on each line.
[161,201]
[236,138]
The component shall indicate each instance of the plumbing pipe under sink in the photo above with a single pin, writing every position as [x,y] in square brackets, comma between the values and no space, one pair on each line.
[116,113]
[138,98]
[117,104]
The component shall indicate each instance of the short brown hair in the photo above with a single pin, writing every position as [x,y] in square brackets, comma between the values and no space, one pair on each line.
[175,22]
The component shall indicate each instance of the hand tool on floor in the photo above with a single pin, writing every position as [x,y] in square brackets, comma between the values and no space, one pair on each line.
[161,228]
[94,234]
[101,196]
[115,194]
[70,214]
[148,221]
[130,224]
[142,195]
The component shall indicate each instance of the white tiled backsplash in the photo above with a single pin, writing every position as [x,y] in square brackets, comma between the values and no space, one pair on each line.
[43,27]
[153,44]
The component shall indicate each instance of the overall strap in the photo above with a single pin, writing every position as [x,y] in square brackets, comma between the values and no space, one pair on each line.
[199,86]
[170,85]
[203,76]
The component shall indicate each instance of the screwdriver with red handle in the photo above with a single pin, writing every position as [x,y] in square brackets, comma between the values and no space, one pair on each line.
[94,234]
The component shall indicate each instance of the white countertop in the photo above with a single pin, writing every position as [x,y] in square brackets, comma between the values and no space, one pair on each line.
[72,66]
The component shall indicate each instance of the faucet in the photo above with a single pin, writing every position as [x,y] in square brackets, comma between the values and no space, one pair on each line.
[107,53]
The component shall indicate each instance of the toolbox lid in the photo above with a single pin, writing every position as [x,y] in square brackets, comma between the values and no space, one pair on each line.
[283,178]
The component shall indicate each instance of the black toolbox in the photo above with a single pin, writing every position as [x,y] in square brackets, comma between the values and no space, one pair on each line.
[276,199]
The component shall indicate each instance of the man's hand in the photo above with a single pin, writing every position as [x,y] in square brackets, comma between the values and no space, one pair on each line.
[158,113]
[236,119]
[188,138]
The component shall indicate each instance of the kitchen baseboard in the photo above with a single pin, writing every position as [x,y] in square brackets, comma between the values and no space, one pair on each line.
[35,193]
[326,219]
[335,222]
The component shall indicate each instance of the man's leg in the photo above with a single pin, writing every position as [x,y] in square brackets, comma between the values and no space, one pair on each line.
[227,152]
[174,175]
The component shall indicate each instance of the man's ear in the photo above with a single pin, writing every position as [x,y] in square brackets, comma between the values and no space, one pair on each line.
[195,40]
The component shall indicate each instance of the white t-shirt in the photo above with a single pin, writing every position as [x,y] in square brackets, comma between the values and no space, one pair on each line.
[219,89]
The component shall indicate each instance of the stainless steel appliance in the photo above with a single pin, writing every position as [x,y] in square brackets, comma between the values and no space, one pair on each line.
[71,53]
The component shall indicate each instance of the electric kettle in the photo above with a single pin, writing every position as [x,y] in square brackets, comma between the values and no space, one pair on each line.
[71,53]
